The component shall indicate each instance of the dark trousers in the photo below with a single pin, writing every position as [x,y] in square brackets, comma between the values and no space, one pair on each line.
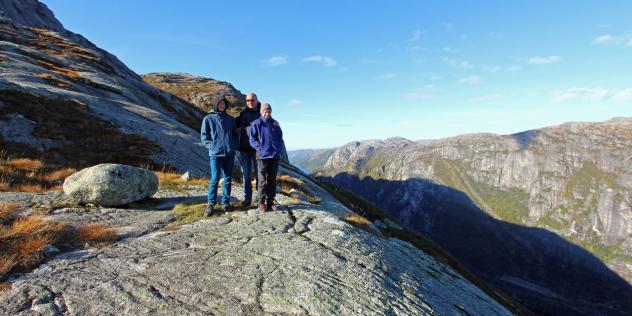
[247,159]
[267,174]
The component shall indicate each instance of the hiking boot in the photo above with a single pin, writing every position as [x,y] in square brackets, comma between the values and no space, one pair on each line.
[245,203]
[271,206]
[261,208]
[228,208]
[209,210]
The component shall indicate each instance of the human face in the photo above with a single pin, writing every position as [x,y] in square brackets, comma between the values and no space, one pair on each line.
[221,106]
[251,100]
[267,114]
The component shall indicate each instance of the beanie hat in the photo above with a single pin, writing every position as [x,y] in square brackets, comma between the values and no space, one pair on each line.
[264,107]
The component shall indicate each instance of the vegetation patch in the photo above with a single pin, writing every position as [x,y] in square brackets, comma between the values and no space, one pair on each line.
[27,241]
[30,175]
[289,183]
[508,205]
[99,141]
[188,213]
[588,178]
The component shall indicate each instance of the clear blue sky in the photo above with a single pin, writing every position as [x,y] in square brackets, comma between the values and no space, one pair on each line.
[336,71]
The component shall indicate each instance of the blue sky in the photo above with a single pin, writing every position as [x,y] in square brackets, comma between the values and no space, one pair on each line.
[337,71]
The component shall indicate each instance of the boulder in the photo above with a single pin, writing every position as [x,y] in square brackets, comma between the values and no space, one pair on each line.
[111,185]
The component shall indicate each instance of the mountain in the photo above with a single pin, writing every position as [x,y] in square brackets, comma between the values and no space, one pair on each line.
[544,214]
[70,103]
[73,103]
[202,92]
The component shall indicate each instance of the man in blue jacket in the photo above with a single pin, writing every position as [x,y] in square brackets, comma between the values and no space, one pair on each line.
[218,134]
[266,138]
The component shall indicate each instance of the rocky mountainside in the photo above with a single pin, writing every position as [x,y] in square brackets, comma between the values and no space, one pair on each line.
[545,209]
[202,92]
[65,99]
[303,260]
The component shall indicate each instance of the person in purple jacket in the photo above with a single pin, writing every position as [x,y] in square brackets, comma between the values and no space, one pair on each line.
[266,138]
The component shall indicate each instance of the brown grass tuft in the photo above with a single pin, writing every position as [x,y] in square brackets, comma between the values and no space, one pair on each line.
[5,286]
[7,262]
[96,233]
[29,188]
[27,225]
[29,249]
[166,178]
[287,183]
[357,220]
[7,212]
[25,164]
[4,186]
[57,175]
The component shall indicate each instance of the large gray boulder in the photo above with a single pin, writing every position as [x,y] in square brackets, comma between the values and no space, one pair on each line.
[111,185]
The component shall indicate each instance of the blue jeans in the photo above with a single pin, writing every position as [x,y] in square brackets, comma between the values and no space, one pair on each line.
[225,166]
[248,159]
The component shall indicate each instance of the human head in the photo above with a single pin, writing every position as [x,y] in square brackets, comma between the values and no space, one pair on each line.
[266,110]
[222,105]
[251,100]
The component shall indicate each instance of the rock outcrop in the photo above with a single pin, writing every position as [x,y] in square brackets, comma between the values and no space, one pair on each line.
[303,260]
[202,92]
[509,192]
[111,185]
[55,83]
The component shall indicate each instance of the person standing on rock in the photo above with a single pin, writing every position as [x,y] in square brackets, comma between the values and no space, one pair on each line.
[245,152]
[266,138]
[218,134]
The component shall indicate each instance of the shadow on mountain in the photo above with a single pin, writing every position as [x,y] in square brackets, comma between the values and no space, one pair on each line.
[524,139]
[540,269]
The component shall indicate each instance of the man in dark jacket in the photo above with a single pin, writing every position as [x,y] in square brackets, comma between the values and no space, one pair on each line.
[218,134]
[266,138]
[247,154]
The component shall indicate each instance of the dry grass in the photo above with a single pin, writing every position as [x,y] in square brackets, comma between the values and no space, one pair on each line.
[287,183]
[99,233]
[5,287]
[30,175]
[24,240]
[58,175]
[166,178]
[7,262]
[357,220]
[24,164]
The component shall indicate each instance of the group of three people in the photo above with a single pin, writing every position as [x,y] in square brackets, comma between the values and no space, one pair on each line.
[258,140]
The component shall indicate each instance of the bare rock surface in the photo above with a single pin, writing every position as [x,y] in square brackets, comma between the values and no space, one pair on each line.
[284,262]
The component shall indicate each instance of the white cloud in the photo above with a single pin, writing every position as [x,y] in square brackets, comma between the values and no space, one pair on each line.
[463,64]
[492,68]
[470,80]
[619,40]
[325,60]
[416,36]
[423,93]
[450,50]
[275,61]
[514,68]
[447,26]
[544,60]
[435,78]
[593,94]
[489,97]
[387,76]
[294,102]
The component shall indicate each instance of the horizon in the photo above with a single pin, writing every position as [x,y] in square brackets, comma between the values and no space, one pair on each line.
[420,71]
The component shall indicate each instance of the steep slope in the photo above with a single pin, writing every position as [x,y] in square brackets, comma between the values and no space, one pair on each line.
[58,91]
[492,193]
[202,92]
[302,260]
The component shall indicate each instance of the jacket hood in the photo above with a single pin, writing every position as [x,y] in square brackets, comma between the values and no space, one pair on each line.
[218,101]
